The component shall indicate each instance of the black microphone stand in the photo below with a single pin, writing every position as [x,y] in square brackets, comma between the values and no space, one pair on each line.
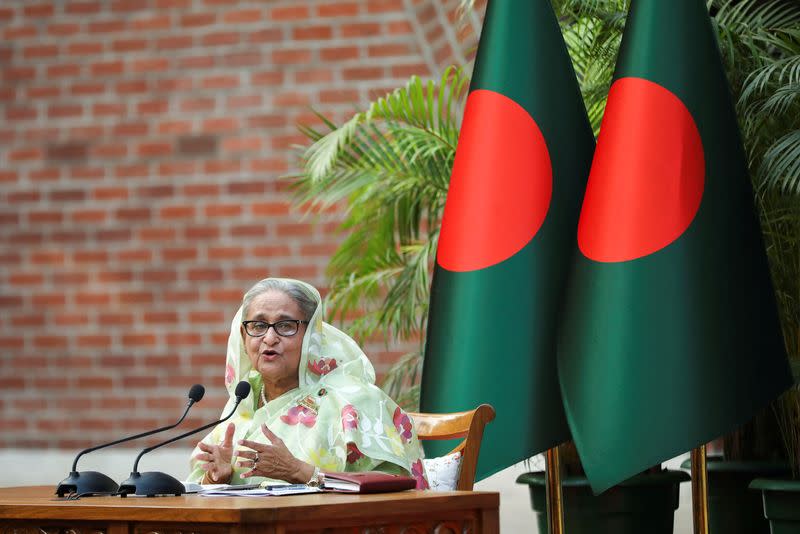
[152,483]
[96,482]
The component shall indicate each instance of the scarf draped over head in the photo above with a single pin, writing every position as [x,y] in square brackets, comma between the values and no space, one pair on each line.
[336,419]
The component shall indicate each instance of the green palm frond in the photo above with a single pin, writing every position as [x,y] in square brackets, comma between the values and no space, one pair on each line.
[391,165]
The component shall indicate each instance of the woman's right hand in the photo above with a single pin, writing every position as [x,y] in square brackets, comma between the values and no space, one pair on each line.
[218,458]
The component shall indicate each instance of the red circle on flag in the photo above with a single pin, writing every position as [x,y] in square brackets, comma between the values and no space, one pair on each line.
[500,188]
[647,177]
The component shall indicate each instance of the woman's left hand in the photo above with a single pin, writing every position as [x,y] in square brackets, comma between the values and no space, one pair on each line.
[273,461]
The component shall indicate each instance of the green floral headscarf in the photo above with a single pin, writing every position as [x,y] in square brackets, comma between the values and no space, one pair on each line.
[336,419]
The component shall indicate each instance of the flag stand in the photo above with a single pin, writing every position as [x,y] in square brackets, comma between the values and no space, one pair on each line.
[555,503]
[699,490]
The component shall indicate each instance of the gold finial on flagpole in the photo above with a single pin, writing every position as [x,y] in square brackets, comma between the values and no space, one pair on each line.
[555,503]
[699,490]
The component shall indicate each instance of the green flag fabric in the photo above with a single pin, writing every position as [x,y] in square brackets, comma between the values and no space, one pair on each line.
[509,222]
[670,334]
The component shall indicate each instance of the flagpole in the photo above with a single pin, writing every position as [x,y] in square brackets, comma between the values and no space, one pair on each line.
[700,490]
[555,502]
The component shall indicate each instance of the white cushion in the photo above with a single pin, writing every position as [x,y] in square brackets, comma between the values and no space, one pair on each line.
[442,472]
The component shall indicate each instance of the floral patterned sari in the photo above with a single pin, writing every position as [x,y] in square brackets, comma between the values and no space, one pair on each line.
[336,419]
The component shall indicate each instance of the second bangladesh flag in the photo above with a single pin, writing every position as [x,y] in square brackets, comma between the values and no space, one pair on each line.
[512,208]
[671,336]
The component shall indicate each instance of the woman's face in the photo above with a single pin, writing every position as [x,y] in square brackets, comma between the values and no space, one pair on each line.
[277,358]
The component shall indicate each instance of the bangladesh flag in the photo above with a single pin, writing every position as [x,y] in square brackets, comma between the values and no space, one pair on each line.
[521,165]
[671,335]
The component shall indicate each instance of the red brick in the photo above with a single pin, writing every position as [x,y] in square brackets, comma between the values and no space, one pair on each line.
[39,51]
[107,26]
[339,96]
[136,297]
[243,101]
[225,253]
[89,216]
[25,279]
[363,73]
[85,49]
[63,70]
[267,35]
[220,82]
[338,9]
[21,113]
[313,76]
[205,275]
[179,254]
[131,129]
[84,173]
[154,149]
[64,29]
[111,151]
[157,234]
[198,19]
[243,16]
[173,42]
[88,88]
[43,92]
[129,45]
[249,231]
[96,341]
[406,71]
[202,232]
[107,68]
[217,125]
[159,277]
[35,217]
[25,154]
[291,99]
[267,78]
[291,57]
[110,193]
[174,85]
[131,87]
[71,319]
[160,22]
[399,27]
[223,210]
[109,108]
[360,29]
[150,65]
[197,104]
[340,53]
[38,10]
[19,32]
[221,166]
[168,4]
[289,13]
[313,33]
[277,120]
[82,8]
[221,38]
[138,340]
[241,144]
[135,255]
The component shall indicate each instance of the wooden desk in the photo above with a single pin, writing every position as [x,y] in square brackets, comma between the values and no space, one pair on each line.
[36,510]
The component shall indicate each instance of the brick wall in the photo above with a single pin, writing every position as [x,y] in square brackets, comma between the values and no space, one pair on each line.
[141,147]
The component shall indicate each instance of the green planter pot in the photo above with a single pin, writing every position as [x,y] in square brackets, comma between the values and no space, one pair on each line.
[781,500]
[732,507]
[644,503]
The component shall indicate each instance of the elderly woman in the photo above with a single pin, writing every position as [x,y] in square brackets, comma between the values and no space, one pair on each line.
[313,403]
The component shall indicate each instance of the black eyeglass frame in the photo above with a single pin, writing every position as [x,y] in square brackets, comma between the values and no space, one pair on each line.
[297,322]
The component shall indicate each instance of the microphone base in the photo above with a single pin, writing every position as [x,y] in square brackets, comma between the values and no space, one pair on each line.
[151,483]
[86,482]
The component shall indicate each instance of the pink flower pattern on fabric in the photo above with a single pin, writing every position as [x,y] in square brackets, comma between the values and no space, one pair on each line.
[418,472]
[402,423]
[349,417]
[229,374]
[300,414]
[323,366]
[353,454]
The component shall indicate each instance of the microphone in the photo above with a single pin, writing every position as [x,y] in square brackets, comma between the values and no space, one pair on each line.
[154,483]
[95,482]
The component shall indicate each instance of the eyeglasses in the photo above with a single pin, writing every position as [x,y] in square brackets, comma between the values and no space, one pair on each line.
[285,328]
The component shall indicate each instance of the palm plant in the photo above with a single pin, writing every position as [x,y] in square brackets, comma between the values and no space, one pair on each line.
[390,166]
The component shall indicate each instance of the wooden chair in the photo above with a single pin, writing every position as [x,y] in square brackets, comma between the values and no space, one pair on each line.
[468,425]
